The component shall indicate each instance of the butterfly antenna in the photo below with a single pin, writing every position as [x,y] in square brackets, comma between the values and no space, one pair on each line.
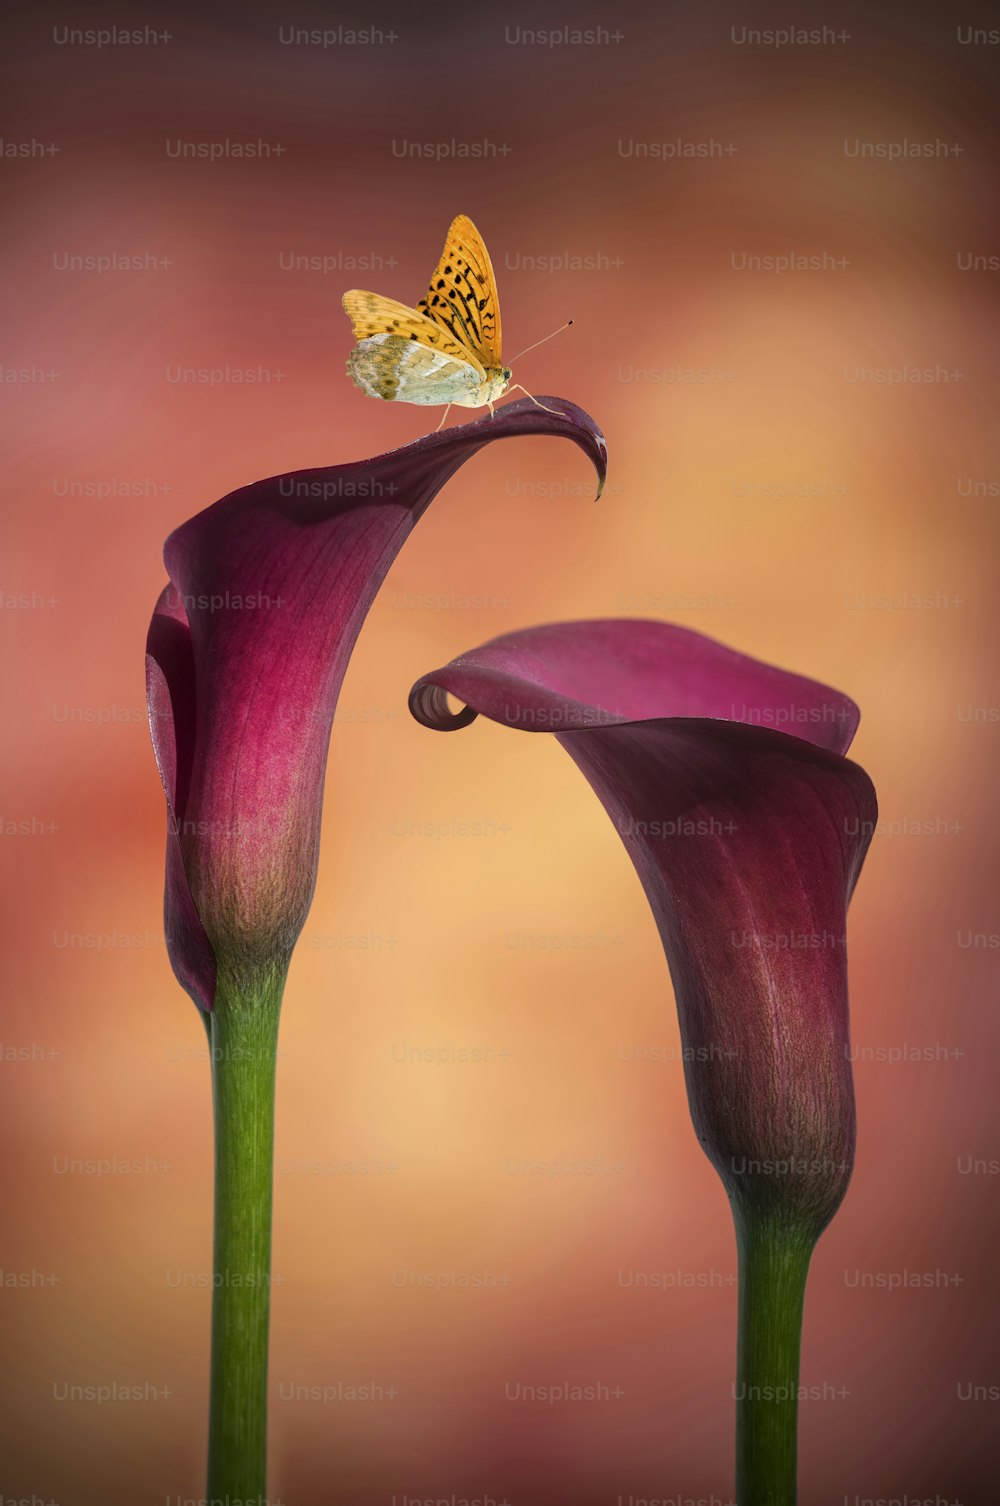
[542,342]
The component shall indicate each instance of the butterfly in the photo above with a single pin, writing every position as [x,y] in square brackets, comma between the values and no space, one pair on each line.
[447,349]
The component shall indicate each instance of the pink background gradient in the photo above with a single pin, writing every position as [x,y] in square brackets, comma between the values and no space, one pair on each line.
[531,939]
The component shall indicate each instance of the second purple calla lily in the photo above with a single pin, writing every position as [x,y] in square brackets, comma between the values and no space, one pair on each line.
[246,654]
[727,781]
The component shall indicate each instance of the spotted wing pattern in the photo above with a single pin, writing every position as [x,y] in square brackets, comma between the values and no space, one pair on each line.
[399,370]
[371,314]
[462,297]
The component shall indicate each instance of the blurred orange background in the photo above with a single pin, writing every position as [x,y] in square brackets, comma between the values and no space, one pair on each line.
[766,487]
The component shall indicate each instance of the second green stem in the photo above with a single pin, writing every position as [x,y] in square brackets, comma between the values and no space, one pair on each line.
[773,1265]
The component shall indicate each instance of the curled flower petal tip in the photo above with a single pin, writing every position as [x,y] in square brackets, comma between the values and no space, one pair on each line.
[610,671]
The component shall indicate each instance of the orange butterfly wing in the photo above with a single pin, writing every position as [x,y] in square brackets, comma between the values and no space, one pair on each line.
[462,297]
[371,314]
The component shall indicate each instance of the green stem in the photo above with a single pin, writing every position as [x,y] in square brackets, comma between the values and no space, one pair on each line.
[244,1037]
[773,1264]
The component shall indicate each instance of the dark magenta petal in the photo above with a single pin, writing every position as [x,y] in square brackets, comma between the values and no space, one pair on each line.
[246,654]
[601,672]
[171,707]
[748,842]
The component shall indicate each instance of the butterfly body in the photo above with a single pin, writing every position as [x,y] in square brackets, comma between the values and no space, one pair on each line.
[445,350]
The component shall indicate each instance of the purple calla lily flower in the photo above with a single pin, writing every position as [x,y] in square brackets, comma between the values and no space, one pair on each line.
[727,781]
[246,654]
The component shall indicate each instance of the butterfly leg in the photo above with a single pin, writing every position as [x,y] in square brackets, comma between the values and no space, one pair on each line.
[517,387]
[443,417]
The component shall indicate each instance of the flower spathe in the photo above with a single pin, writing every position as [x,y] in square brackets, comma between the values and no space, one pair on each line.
[748,841]
[246,654]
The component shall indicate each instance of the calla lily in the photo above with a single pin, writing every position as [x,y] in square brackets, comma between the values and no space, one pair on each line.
[268,590]
[727,781]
